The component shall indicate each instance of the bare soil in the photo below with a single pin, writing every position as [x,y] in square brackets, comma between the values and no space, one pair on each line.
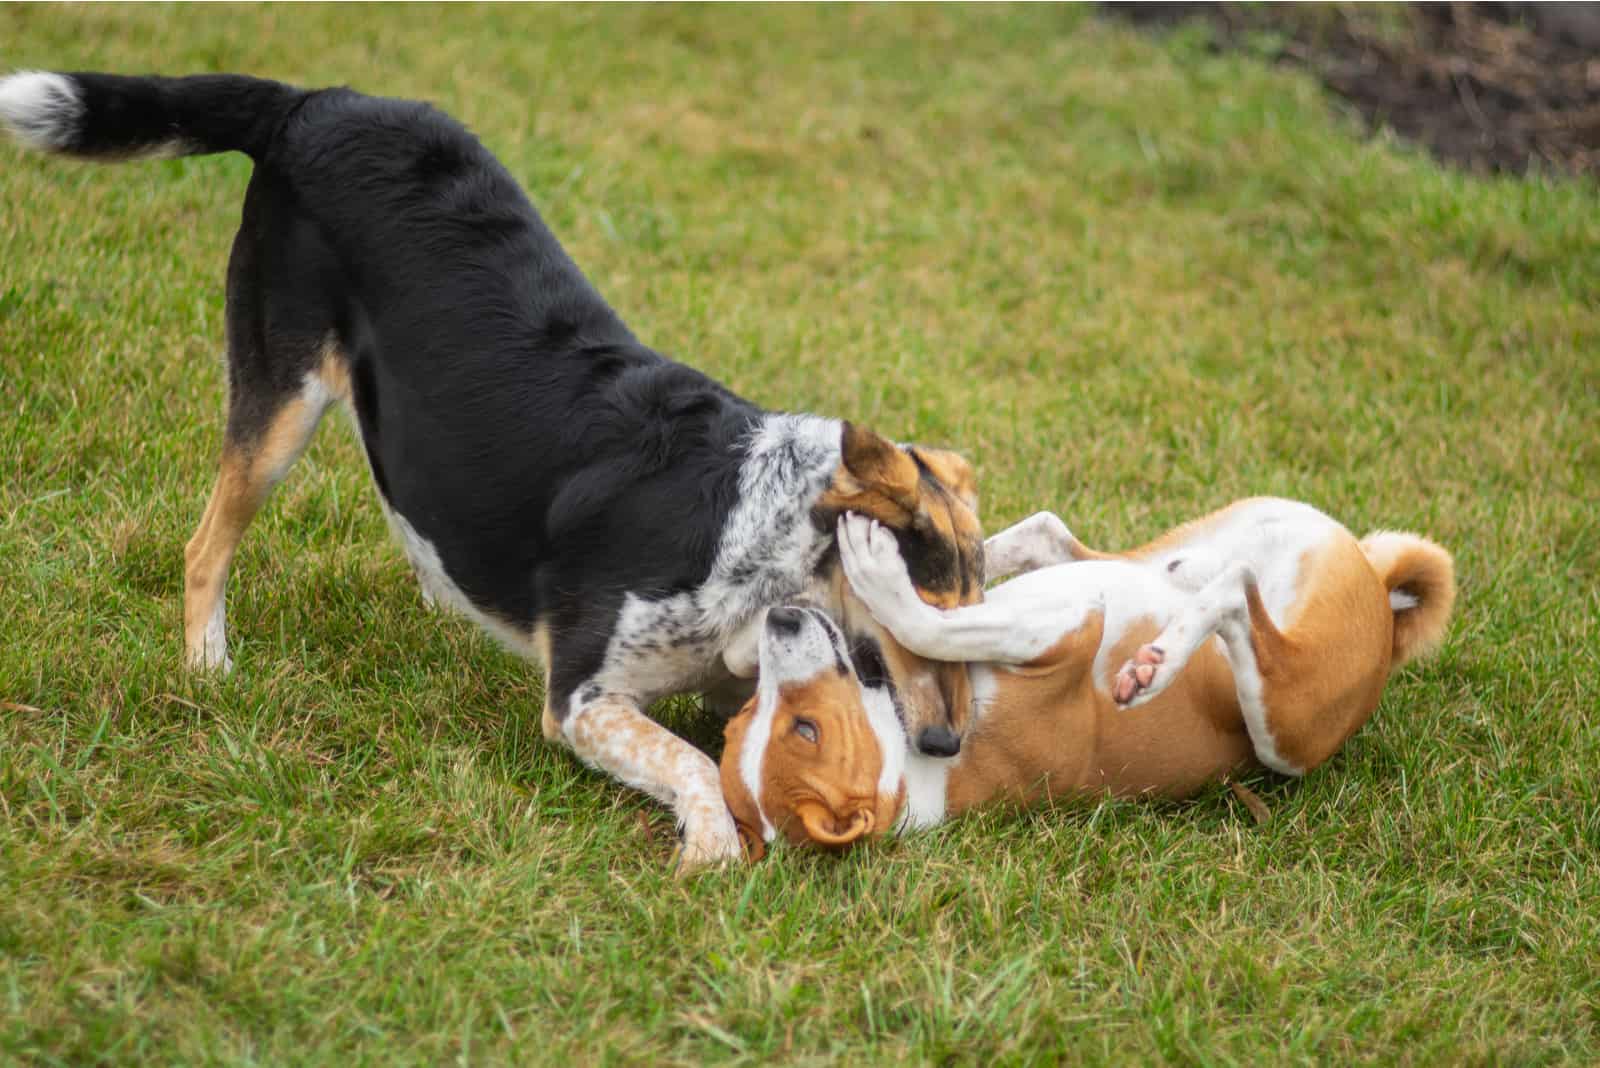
[1487,87]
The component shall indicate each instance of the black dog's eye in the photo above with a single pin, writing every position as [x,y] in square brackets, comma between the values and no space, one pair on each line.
[806,729]
[868,661]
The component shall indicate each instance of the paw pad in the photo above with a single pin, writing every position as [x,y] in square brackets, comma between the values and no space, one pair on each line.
[1137,674]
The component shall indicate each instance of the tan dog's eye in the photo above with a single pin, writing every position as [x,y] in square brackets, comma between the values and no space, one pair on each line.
[806,729]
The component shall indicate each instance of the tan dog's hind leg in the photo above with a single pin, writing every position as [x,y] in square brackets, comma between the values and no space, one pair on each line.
[247,474]
[1301,694]
[611,733]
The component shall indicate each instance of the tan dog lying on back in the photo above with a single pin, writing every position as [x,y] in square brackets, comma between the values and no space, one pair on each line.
[1261,634]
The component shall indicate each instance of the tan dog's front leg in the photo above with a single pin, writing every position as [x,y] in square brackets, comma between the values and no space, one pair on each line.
[1016,622]
[610,732]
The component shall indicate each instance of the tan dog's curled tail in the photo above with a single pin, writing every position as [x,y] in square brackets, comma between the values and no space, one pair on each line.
[1421,579]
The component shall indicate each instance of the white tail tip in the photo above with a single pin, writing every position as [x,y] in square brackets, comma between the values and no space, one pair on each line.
[42,110]
[1401,601]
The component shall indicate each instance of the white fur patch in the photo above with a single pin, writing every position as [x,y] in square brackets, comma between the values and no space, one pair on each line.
[1247,683]
[42,110]
[438,589]
[1041,540]
[213,652]
[926,779]
[752,757]
[890,734]
[1401,601]
[1270,534]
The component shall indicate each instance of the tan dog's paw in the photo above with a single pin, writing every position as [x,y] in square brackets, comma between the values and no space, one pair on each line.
[1138,676]
[710,839]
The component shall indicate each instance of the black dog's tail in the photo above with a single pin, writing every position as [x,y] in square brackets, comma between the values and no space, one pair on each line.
[112,116]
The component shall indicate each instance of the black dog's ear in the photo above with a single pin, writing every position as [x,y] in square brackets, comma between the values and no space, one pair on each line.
[953,470]
[876,477]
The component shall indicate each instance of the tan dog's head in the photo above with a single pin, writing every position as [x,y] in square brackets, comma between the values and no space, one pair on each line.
[928,499]
[814,756]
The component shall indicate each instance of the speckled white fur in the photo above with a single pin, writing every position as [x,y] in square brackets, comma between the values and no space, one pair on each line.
[767,554]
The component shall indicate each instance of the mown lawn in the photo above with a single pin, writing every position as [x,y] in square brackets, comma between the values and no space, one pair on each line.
[1131,278]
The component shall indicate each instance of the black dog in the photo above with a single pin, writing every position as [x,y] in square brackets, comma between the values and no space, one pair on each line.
[620,516]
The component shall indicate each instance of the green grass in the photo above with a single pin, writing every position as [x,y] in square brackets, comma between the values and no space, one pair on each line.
[1131,278]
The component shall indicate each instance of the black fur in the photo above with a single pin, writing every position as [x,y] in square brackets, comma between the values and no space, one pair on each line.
[553,461]
[124,116]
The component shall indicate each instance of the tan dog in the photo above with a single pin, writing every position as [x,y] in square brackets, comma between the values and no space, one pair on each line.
[1260,634]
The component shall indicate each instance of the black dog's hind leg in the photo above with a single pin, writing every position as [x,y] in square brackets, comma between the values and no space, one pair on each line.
[284,369]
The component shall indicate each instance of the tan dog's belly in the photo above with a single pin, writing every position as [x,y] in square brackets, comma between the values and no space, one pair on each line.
[1052,730]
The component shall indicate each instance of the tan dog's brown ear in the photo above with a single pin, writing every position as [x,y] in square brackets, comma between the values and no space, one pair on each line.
[952,469]
[876,470]
[825,827]
[741,804]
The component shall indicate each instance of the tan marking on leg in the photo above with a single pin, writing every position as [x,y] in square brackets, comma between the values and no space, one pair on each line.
[244,479]
[334,371]
[548,723]
[234,501]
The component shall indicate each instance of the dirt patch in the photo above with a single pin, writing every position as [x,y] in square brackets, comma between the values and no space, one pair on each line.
[1488,87]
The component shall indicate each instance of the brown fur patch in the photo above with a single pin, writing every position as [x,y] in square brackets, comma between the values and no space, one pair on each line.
[1052,729]
[951,469]
[1021,750]
[875,477]
[1322,676]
